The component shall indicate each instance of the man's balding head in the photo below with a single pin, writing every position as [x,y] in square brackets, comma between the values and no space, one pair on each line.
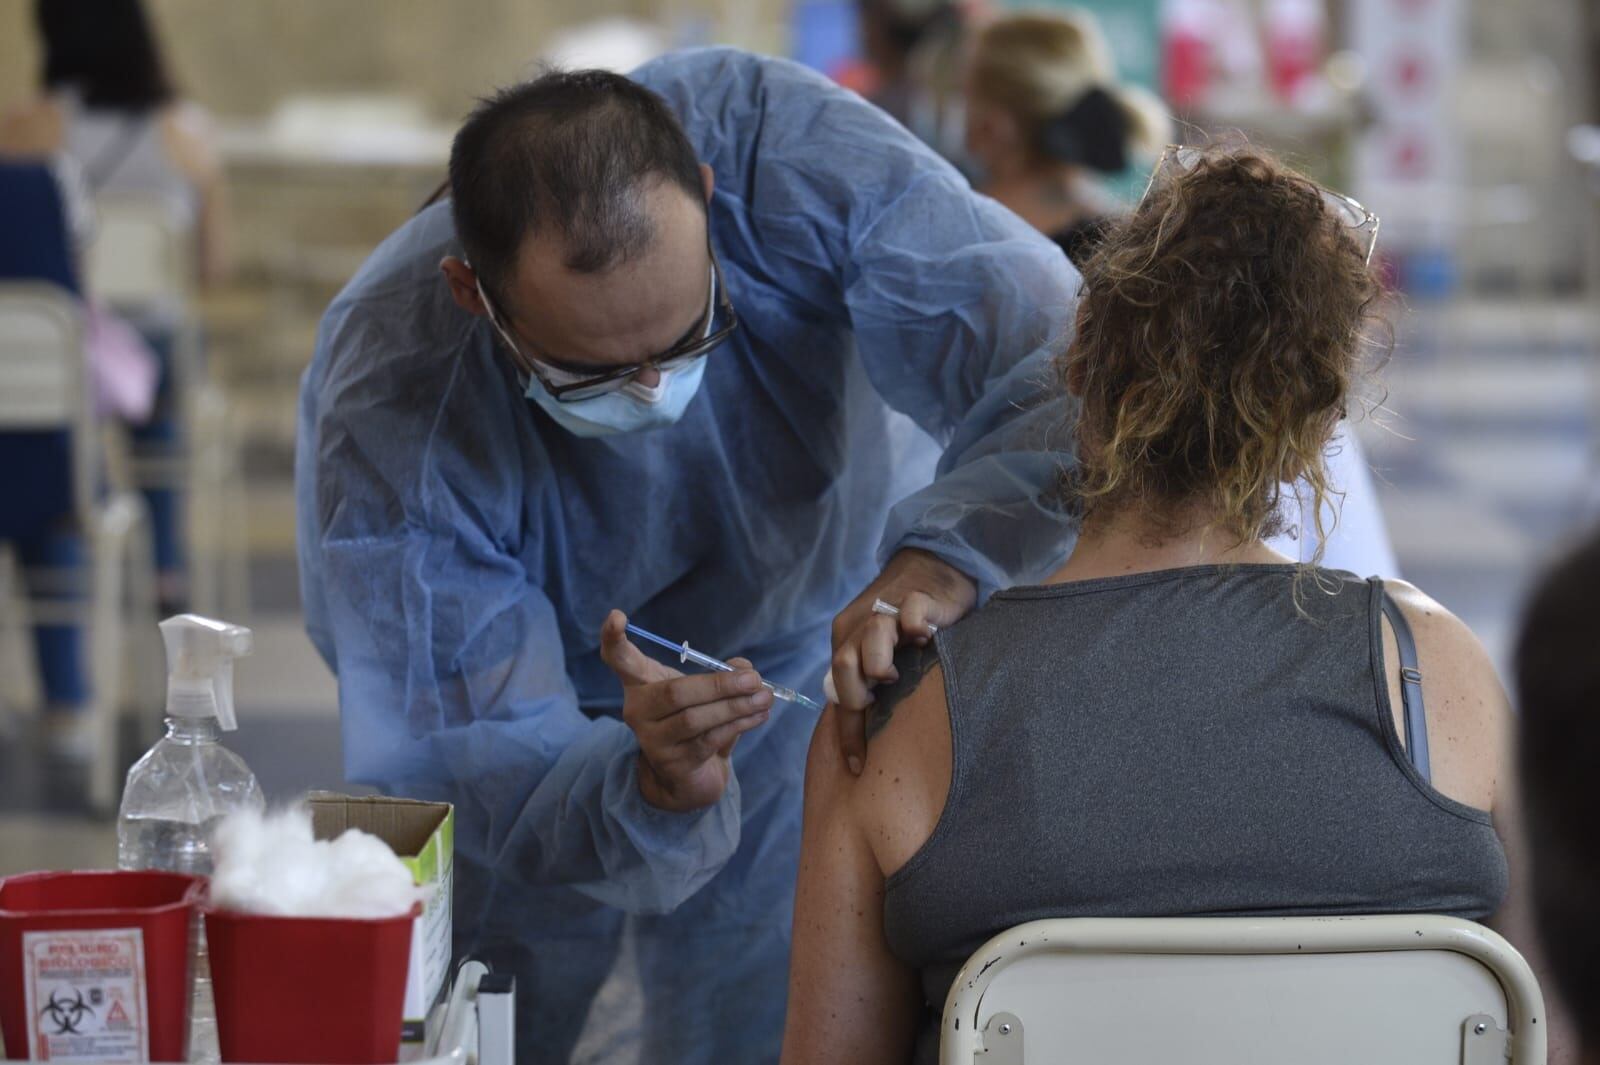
[581,207]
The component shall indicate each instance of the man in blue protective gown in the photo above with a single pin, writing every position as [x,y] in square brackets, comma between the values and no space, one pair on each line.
[477,494]
[684,347]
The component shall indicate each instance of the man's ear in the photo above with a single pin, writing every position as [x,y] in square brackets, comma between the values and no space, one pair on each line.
[708,180]
[463,285]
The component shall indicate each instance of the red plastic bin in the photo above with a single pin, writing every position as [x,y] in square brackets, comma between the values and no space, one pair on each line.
[309,990]
[160,905]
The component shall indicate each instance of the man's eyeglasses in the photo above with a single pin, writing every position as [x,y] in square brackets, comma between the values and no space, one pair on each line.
[569,385]
[1362,222]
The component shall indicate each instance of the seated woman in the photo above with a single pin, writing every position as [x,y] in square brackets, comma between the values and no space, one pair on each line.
[1180,722]
[108,104]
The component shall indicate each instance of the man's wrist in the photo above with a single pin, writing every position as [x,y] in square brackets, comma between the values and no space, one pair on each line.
[651,787]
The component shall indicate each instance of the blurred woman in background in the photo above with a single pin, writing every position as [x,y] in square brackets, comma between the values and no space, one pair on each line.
[1046,117]
[108,105]
[913,49]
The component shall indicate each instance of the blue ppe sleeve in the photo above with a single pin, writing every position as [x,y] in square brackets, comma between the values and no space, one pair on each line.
[958,308]
[956,304]
[452,672]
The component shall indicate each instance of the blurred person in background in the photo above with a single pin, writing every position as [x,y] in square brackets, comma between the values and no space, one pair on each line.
[1558,693]
[46,217]
[1118,741]
[109,105]
[1046,118]
[912,50]
[41,214]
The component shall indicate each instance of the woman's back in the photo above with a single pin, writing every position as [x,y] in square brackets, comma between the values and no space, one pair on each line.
[134,153]
[1182,742]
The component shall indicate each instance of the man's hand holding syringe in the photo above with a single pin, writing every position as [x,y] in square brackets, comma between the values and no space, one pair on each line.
[686,725]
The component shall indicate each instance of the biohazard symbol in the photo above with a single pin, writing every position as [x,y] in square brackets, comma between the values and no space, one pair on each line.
[66,1014]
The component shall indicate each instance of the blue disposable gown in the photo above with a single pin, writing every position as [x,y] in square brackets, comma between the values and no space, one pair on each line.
[459,550]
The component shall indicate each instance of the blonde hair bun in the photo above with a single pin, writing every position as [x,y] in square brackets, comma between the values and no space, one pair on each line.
[1041,65]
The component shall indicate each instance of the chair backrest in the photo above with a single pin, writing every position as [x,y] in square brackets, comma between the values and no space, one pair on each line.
[142,254]
[1385,990]
[46,455]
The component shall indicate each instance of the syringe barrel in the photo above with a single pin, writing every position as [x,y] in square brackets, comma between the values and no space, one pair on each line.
[703,660]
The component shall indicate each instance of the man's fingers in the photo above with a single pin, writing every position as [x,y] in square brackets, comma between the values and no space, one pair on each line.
[848,682]
[865,659]
[878,639]
[852,738]
[720,740]
[699,689]
[697,721]
[919,613]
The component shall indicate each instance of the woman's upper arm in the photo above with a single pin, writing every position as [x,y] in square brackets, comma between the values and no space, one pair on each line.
[1470,734]
[1468,713]
[850,998]
[190,140]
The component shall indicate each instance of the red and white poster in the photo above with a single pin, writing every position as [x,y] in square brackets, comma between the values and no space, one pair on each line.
[86,996]
[1409,166]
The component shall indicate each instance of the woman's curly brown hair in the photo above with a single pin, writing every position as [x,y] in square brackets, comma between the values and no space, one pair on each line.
[1221,327]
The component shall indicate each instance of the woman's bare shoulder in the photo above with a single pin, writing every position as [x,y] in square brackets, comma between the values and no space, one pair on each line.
[1468,714]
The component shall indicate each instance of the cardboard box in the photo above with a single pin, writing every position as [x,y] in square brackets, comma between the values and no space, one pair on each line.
[423,835]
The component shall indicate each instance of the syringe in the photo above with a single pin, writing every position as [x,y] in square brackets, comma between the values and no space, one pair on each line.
[686,653]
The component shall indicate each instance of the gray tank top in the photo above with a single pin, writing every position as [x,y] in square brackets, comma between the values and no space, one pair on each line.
[1178,743]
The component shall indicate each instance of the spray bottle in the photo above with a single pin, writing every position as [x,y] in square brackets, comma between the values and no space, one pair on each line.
[188,781]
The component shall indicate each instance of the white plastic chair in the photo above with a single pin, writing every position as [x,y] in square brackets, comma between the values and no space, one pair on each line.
[142,263]
[45,372]
[1387,990]
[141,258]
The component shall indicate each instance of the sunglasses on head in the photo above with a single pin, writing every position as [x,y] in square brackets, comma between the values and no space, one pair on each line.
[1362,222]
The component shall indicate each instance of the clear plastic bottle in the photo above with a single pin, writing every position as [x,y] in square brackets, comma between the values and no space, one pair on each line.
[188,781]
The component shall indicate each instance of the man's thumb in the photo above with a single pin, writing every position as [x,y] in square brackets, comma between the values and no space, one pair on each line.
[631,665]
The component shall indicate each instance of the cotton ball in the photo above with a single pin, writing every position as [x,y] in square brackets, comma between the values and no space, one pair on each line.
[260,863]
[271,864]
[366,879]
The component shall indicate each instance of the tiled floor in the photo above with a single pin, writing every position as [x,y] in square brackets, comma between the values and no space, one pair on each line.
[1484,457]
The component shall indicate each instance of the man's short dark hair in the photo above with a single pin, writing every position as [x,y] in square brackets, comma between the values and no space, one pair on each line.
[1558,687]
[570,152]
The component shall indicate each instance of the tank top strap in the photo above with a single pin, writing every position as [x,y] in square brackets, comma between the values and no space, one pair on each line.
[1414,712]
